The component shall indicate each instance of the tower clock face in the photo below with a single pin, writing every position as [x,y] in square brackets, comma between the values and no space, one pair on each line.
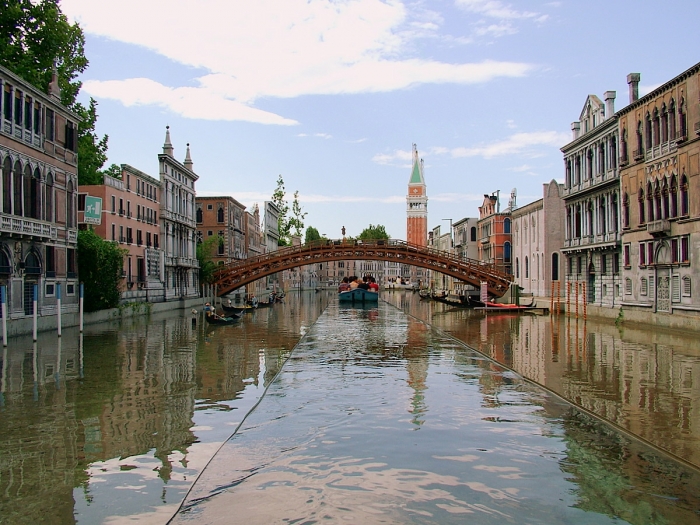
[415,190]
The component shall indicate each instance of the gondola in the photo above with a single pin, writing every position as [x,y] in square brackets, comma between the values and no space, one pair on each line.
[237,309]
[217,319]
[358,295]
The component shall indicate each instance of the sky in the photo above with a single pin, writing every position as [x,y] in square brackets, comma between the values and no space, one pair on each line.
[332,94]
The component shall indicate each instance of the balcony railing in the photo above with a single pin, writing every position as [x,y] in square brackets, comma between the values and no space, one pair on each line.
[659,228]
[638,154]
[24,226]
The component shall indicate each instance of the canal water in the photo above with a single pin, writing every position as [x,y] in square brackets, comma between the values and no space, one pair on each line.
[309,412]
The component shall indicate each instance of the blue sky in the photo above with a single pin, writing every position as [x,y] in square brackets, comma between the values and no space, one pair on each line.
[332,94]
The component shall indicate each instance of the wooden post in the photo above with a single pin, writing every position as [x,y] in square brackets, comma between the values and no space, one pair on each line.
[82,300]
[58,307]
[583,284]
[551,300]
[3,305]
[34,305]
[568,298]
[576,297]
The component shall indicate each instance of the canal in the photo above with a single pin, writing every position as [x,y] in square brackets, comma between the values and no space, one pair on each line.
[377,415]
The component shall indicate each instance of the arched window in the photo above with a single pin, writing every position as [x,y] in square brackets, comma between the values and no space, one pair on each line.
[672,120]
[473,233]
[7,186]
[650,202]
[5,266]
[200,215]
[32,266]
[506,225]
[665,200]
[18,184]
[517,268]
[527,268]
[567,176]
[684,195]
[640,143]
[658,208]
[648,134]
[27,179]
[613,153]
[577,169]
[589,164]
[664,123]
[35,195]
[220,214]
[506,252]
[555,266]
[682,120]
[614,211]
[625,211]
[656,127]
[48,202]
[70,206]
[623,146]
[601,158]
[673,197]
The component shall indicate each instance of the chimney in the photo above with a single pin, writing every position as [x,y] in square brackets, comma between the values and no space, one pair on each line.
[576,129]
[54,89]
[609,103]
[633,81]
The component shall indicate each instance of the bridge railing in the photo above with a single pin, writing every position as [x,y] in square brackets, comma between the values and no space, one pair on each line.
[394,245]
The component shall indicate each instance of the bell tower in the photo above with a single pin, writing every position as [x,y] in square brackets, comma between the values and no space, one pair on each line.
[417,204]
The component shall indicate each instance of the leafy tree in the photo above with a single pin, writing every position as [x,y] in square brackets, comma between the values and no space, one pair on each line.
[114,170]
[36,35]
[36,38]
[278,199]
[296,221]
[100,266]
[312,235]
[92,151]
[205,255]
[374,233]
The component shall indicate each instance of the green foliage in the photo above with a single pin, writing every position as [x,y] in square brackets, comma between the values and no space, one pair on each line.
[373,233]
[296,221]
[100,265]
[312,235]
[205,254]
[92,151]
[114,171]
[35,36]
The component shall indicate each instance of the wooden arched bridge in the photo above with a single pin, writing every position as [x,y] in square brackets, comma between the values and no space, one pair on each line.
[239,273]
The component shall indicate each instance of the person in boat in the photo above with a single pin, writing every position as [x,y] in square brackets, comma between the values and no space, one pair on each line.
[344,285]
[210,311]
[373,286]
[354,282]
[363,283]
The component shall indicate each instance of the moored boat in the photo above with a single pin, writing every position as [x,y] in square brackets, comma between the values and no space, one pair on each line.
[237,309]
[217,319]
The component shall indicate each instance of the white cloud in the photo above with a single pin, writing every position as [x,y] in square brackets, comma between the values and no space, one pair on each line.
[272,48]
[519,143]
[494,9]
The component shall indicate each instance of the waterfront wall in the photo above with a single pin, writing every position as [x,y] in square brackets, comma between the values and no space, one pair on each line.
[24,326]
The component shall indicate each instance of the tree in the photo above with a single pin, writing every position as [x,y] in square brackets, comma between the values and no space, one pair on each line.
[92,151]
[205,254]
[36,36]
[100,266]
[296,221]
[312,235]
[114,171]
[278,199]
[374,233]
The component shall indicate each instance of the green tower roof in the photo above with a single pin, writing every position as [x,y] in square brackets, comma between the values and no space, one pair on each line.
[415,174]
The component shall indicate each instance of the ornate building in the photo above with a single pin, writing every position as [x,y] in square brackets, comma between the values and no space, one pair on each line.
[38,196]
[592,200]
[225,218]
[659,178]
[494,228]
[178,226]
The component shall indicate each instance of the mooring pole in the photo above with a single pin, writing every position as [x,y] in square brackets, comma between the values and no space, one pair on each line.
[3,305]
[34,307]
[58,306]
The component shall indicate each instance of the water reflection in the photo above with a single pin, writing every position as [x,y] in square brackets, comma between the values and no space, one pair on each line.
[377,418]
[643,380]
[116,424]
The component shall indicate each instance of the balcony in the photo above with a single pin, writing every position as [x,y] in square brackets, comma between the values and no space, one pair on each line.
[624,161]
[681,136]
[659,228]
[24,226]
[638,154]
[484,240]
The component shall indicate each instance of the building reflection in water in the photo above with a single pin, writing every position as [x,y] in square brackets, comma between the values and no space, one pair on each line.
[640,379]
[118,408]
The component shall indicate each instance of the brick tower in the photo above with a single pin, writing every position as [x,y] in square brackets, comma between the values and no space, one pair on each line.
[417,204]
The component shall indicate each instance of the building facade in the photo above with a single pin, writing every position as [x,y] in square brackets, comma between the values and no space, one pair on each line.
[177,222]
[39,192]
[538,237]
[494,228]
[659,179]
[131,218]
[592,199]
[223,217]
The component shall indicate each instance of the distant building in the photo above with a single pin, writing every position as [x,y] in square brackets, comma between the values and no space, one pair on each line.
[178,226]
[131,218]
[494,228]
[225,218]
[538,236]
[592,199]
[466,247]
[416,215]
[38,219]
[659,179]
[255,246]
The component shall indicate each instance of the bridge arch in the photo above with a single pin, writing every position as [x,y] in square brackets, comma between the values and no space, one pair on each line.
[239,273]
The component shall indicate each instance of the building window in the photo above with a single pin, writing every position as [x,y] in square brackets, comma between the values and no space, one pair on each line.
[200,214]
[114,232]
[640,196]
[650,253]
[506,252]
[628,286]
[644,285]
[220,214]
[675,288]
[527,268]
[642,254]
[684,256]
[626,255]
[684,195]
[555,267]
[686,286]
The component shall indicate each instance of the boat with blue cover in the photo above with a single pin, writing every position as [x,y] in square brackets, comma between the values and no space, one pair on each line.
[358,295]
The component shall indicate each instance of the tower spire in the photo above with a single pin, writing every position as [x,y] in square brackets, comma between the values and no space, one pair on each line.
[188,158]
[167,146]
